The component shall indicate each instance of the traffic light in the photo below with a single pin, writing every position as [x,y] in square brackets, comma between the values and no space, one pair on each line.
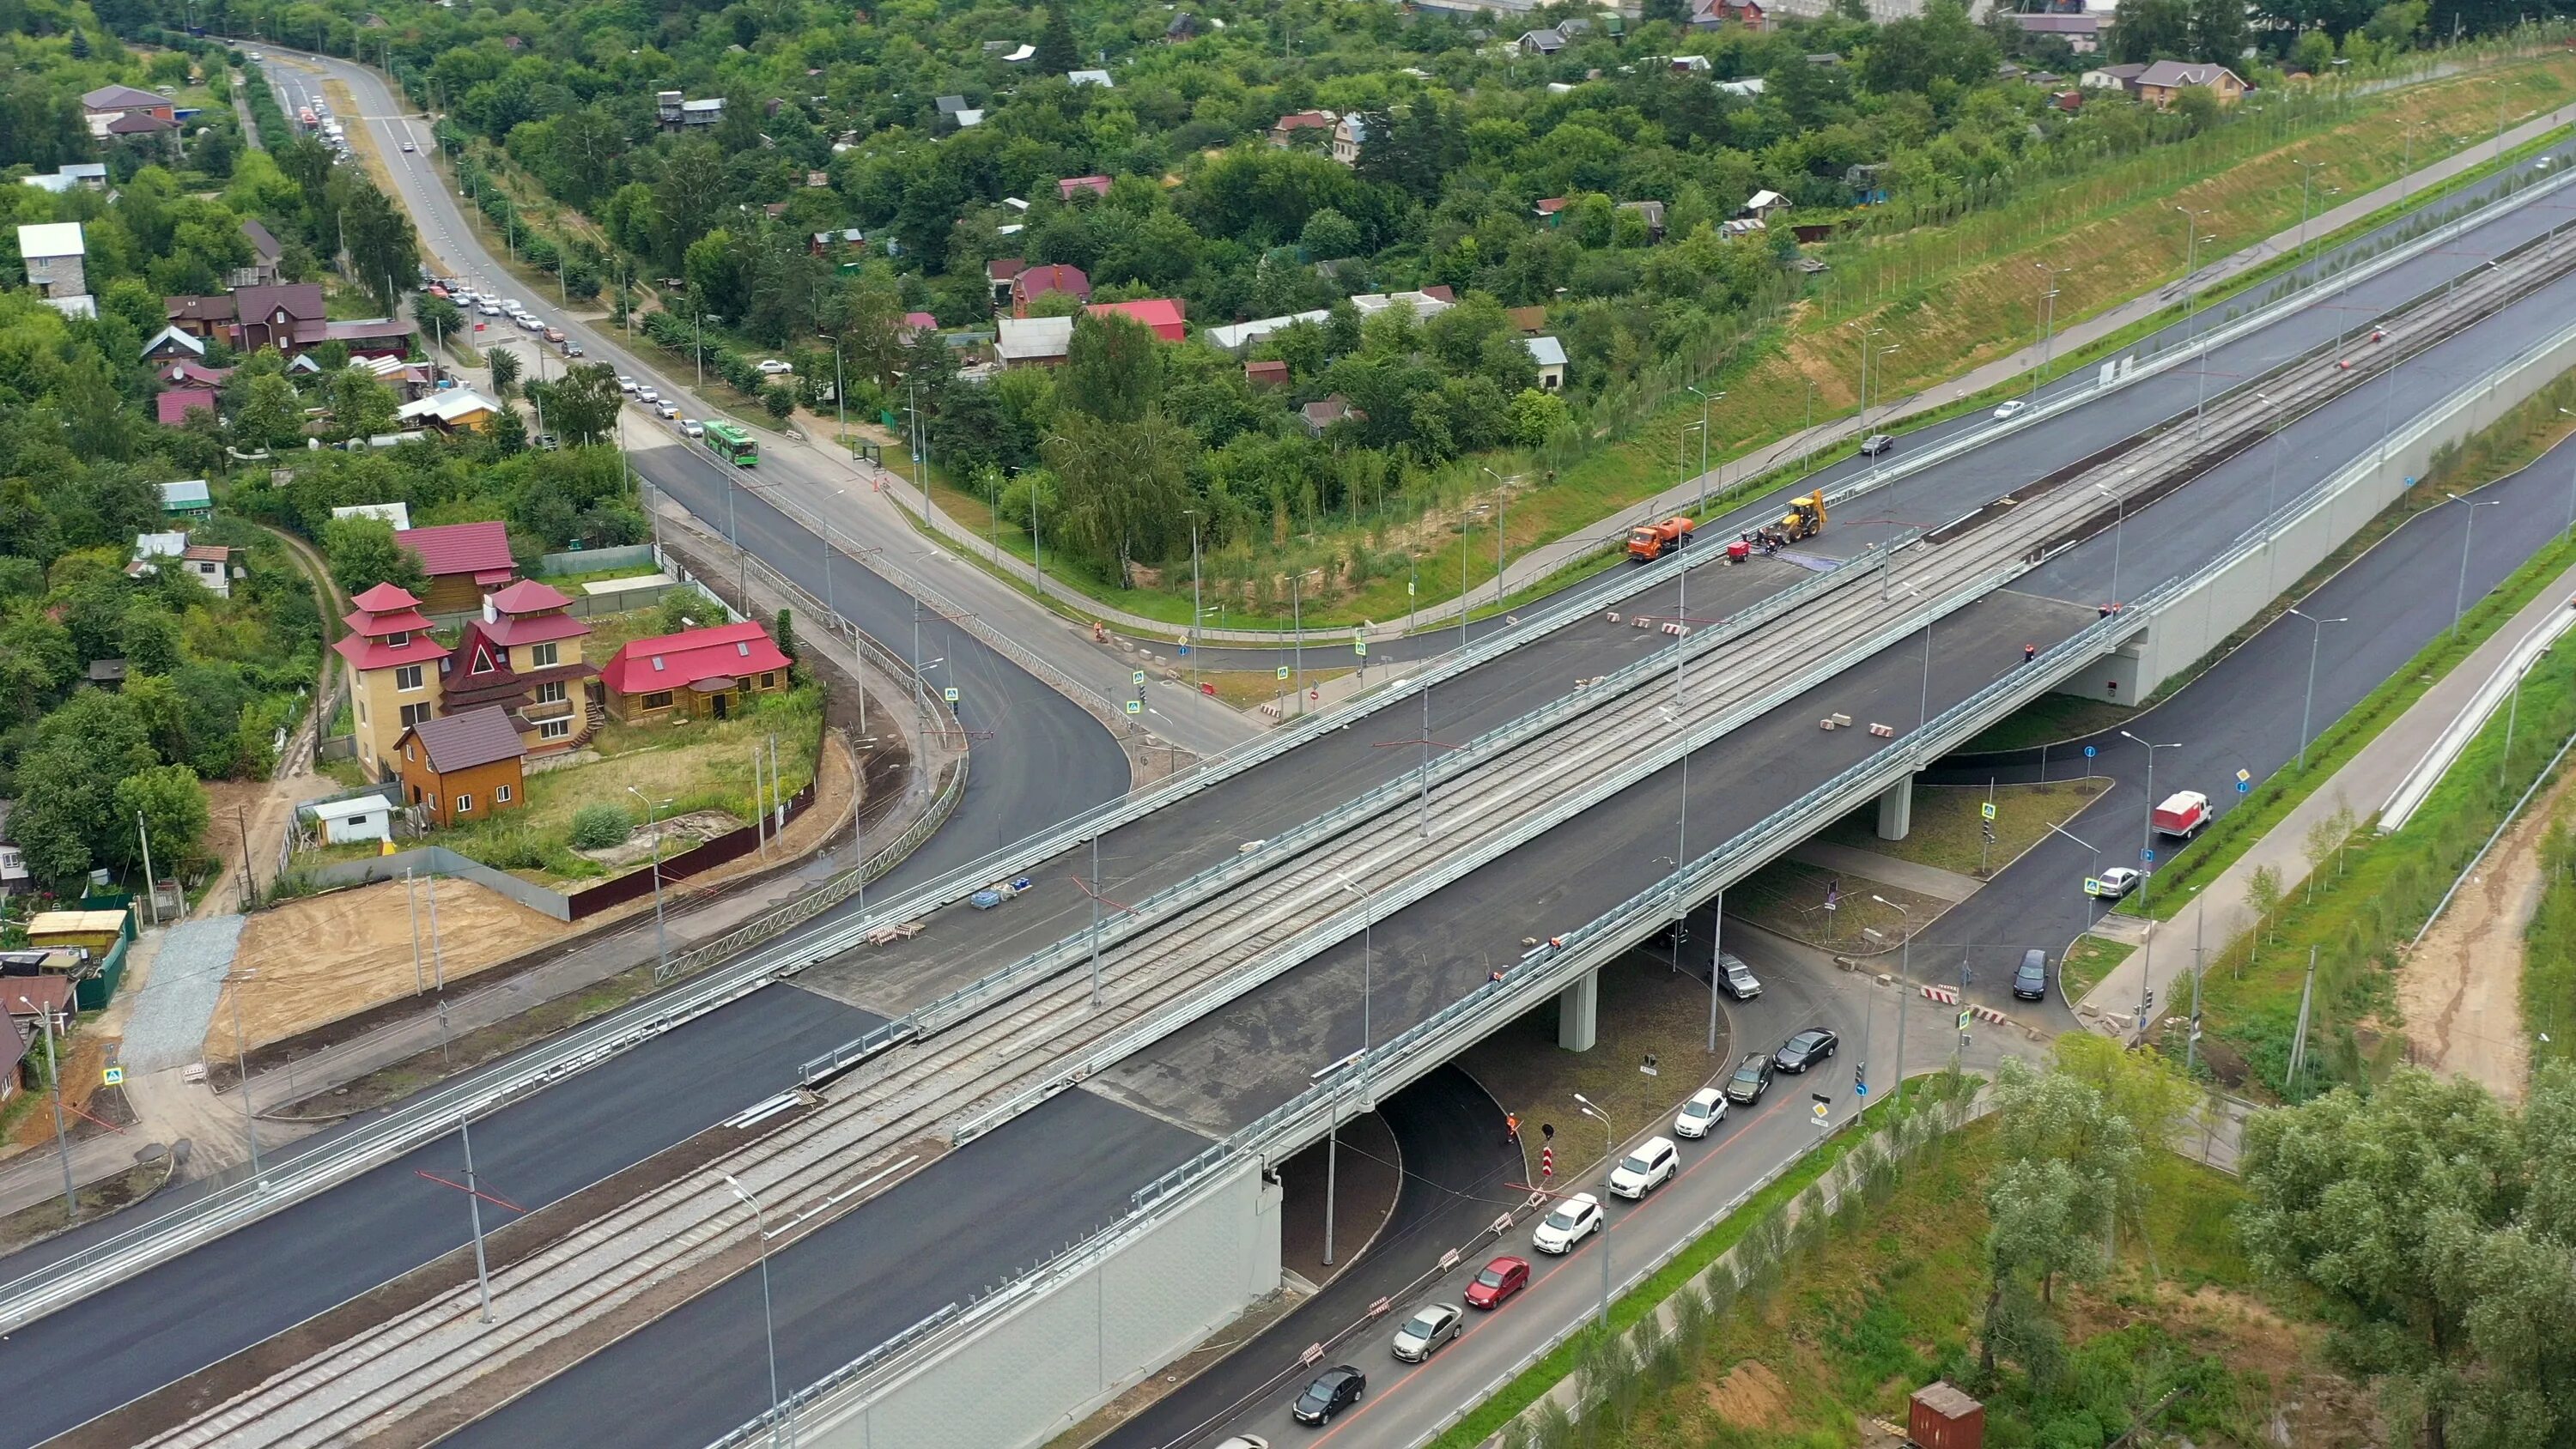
[1860,1079]
[2151,998]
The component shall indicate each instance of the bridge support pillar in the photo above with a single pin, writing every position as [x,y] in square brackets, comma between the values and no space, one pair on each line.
[1896,810]
[1578,1013]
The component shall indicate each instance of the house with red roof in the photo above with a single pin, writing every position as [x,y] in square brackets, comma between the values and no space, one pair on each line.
[710,672]
[1035,282]
[464,561]
[389,648]
[1073,186]
[1161,315]
[170,408]
[523,656]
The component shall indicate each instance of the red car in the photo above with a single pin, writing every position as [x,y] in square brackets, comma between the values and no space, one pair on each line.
[1500,1279]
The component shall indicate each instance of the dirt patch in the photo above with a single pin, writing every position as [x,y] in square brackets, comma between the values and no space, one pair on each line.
[88,1108]
[680,833]
[2461,989]
[364,956]
[2312,1406]
[1829,909]
[1749,1397]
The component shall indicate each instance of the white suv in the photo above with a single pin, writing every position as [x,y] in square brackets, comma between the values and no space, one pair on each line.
[1705,1109]
[1575,1219]
[1649,1167]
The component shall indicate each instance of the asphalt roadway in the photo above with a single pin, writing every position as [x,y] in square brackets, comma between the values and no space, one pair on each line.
[2247,713]
[604,1119]
[1456,1174]
[1404,1401]
[73,1365]
[1228,1068]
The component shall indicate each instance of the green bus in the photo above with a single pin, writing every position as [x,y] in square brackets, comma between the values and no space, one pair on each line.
[732,444]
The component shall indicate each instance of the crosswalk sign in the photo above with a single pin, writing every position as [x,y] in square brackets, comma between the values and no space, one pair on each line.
[951,693]
[1987,810]
[113,1076]
[1360,647]
[1964,1015]
[1137,678]
[1135,706]
[1283,671]
[2092,885]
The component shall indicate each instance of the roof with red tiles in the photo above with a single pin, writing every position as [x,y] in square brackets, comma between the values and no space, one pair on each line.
[480,550]
[676,661]
[171,408]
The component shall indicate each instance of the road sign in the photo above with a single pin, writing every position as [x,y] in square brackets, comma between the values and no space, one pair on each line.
[2148,855]
[113,1076]
[1820,1111]
[2242,776]
[1283,671]
[1135,706]
[2088,752]
[2092,885]
[1987,810]
[951,693]
[2244,787]
[1964,1014]
[1137,678]
[1360,647]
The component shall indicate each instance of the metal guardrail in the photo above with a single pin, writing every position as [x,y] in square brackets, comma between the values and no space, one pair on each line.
[1486,848]
[1142,915]
[1861,780]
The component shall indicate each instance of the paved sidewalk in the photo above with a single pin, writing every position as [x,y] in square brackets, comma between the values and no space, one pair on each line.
[895,491]
[2219,914]
[1923,880]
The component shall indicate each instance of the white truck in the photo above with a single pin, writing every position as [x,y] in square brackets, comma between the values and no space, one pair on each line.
[2183,814]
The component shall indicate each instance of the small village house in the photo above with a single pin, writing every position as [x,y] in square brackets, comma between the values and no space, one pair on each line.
[707,672]
[461,768]
[464,562]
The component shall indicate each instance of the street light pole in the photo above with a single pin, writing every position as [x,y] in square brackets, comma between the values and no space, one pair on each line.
[2316,636]
[62,1142]
[661,943]
[1608,1145]
[2460,593]
[1904,986]
[241,1069]
[2119,528]
[769,1321]
[1705,399]
[2146,879]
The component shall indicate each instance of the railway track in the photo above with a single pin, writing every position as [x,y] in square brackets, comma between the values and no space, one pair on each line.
[1202,948]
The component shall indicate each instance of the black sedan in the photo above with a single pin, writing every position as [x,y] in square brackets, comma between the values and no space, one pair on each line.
[1752,1078]
[1333,1390]
[1805,1049]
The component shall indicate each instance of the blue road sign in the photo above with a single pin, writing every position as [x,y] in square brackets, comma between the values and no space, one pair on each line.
[2088,752]
[2244,787]
[2149,856]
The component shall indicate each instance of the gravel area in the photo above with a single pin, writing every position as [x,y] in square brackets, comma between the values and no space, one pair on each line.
[170,1018]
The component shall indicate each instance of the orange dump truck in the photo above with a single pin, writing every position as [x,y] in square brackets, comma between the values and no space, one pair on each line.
[1650,541]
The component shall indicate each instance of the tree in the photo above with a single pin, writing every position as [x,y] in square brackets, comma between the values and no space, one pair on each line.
[2263,898]
[782,632]
[1124,484]
[601,825]
[2151,30]
[686,608]
[173,809]
[363,554]
[583,404]
[1112,370]
[779,401]
[1536,416]
[382,250]
[2324,838]
[269,414]
[1057,52]
[504,363]
[361,406]
[2439,1225]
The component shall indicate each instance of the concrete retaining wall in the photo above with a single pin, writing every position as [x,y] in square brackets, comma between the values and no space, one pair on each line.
[1046,1363]
[2203,617]
[592,560]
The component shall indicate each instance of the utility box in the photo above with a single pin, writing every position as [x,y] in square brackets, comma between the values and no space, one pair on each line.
[1942,1417]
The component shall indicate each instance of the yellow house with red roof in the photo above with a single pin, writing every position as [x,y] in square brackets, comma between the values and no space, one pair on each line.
[397,665]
